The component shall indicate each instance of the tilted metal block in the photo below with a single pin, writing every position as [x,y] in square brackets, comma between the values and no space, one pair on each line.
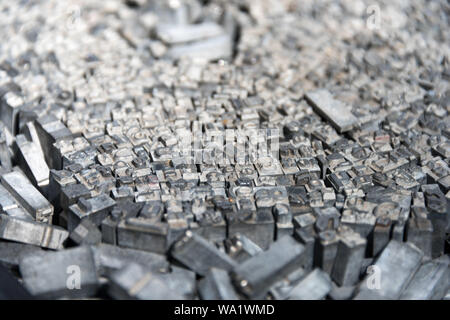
[282,288]
[143,234]
[28,196]
[5,154]
[10,103]
[11,252]
[395,268]
[110,258]
[430,282]
[192,32]
[30,232]
[255,276]
[12,289]
[10,206]
[315,286]
[68,273]
[33,162]
[333,110]
[240,248]
[199,255]
[216,285]
[134,282]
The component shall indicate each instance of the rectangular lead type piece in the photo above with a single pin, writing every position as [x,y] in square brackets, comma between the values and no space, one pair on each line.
[30,232]
[315,286]
[50,275]
[10,252]
[430,282]
[217,286]
[199,255]
[333,110]
[134,282]
[143,234]
[110,258]
[258,274]
[395,267]
[32,161]
[186,33]
[349,258]
[28,196]
[9,206]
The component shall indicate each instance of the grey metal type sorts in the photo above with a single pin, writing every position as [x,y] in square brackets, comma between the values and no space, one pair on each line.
[225,149]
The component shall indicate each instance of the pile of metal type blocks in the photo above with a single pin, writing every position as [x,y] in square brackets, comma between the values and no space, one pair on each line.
[225,149]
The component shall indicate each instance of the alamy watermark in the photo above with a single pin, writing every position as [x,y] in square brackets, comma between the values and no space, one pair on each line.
[220,147]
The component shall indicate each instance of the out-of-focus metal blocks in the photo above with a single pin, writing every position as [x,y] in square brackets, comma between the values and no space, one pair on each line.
[28,196]
[315,286]
[349,258]
[430,282]
[198,154]
[217,286]
[392,271]
[39,234]
[240,248]
[110,258]
[86,233]
[199,255]
[134,282]
[255,276]
[143,234]
[68,273]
